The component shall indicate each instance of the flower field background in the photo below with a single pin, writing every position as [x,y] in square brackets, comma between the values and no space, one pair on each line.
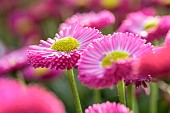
[116,50]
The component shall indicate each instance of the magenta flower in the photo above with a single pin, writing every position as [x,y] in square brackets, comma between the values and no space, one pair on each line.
[147,25]
[64,50]
[107,107]
[108,59]
[18,98]
[40,73]
[91,19]
[13,61]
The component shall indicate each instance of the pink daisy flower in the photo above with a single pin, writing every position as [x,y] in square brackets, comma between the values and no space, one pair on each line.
[40,73]
[64,50]
[98,20]
[107,107]
[147,25]
[14,61]
[108,59]
[18,98]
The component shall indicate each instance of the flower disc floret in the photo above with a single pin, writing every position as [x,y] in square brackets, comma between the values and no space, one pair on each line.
[111,58]
[65,44]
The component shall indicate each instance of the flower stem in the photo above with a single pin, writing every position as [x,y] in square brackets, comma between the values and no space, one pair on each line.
[136,106]
[153,98]
[97,96]
[121,92]
[131,96]
[74,91]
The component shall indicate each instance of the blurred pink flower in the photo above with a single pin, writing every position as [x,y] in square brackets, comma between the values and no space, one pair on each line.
[156,64]
[22,23]
[108,107]
[98,20]
[146,24]
[18,98]
[108,59]
[64,50]
[13,61]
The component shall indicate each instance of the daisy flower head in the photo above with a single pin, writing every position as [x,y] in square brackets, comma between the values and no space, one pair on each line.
[147,25]
[18,98]
[98,20]
[64,50]
[108,107]
[108,59]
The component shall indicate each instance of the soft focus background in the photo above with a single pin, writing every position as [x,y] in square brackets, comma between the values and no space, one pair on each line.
[25,22]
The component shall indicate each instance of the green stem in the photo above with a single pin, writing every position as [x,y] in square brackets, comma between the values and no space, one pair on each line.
[97,96]
[136,106]
[121,92]
[74,90]
[131,96]
[153,98]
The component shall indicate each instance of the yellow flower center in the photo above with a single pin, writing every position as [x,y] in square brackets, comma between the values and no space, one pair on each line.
[151,23]
[65,44]
[41,71]
[109,4]
[111,58]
